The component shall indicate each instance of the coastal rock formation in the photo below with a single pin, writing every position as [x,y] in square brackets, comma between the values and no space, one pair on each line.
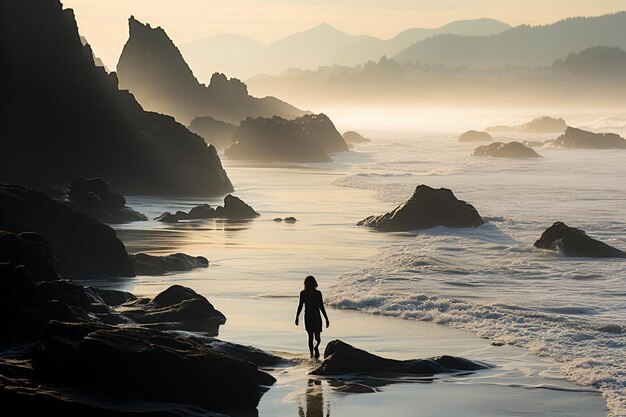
[575,242]
[341,358]
[321,130]
[353,137]
[31,250]
[543,124]
[506,150]
[428,207]
[158,265]
[581,139]
[95,130]
[275,140]
[475,136]
[216,132]
[93,196]
[233,208]
[154,70]
[83,246]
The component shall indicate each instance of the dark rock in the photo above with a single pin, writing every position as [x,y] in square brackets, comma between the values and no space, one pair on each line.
[278,219]
[581,139]
[341,358]
[428,207]
[275,140]
[158,265]
[83,246]
[506,150]
[31,250]
[543,124]
[114,298]
[93,196]
[96,130]
[154,70]
[146,365]
[167,217]
[217,133]
[352,137]
[246,353]
[290,220]
[203,211]
[235,208]
[321,130]
[575,242]
[475,136]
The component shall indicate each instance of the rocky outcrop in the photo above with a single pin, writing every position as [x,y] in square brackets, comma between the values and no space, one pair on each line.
[341,358]
[281,140]
[233,208]
[83,246]
[543,124]
[63,117]
[216,132]
[31,250]
[575,242]
[581,139]
[93,196]
[475,136]
[428,207]
[154,70]
[505,150]
[353,137]
[321,130]
[159,265]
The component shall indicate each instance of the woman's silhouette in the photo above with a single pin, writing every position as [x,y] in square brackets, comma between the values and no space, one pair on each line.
[311,299]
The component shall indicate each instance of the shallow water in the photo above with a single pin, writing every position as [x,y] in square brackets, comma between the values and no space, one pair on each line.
[488,280]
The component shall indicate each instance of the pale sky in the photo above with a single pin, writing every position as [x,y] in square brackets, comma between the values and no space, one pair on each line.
[104,22]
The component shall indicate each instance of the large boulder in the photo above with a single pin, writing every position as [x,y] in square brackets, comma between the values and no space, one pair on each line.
[581,139]
[275,140]
[153,69]
[93,196]
[505,150]
[63,117]
[341,358]
[159,265]
[575,242]
[31,250]
[353,137]
[321,130]
[475,136]
[84,247]
[428,207]
[146,365]
[235,208]
[216,132]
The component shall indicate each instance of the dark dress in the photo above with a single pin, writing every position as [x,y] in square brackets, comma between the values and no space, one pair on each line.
[312,300]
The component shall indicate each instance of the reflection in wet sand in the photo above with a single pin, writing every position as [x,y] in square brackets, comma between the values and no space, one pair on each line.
[314,404]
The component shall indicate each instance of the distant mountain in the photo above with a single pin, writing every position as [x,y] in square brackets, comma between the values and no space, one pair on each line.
[63,117]
[530,46]
[599,61]
[310,49]
[153,69]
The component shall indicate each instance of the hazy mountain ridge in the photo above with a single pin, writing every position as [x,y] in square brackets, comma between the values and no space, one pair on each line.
[319,46]
[153,69]
[524,45]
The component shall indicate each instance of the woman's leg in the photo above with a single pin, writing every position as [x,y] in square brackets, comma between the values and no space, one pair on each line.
[310,342]
[318,340]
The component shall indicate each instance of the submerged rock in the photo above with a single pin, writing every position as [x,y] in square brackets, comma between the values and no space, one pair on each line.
[475,136]
[158,265]
[353,137]
[84,247]
[341,358]
[581,139]
[428,207]
[93,196]
[575,242]
[506,150]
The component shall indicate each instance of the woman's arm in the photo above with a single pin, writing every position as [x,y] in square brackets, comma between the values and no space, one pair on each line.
[323,310]
[300,304]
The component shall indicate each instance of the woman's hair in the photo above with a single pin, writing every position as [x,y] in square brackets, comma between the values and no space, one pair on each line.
[310,283]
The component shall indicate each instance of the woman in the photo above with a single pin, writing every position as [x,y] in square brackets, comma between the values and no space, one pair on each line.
[311,299]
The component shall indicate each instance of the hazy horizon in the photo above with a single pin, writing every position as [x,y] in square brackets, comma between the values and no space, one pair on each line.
[105,25]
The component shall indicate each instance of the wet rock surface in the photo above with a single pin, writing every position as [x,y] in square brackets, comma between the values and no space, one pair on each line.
[505,150]
[576,243]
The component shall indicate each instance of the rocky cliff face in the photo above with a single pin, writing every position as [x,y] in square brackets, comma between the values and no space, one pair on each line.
[154,70]
[62,117]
